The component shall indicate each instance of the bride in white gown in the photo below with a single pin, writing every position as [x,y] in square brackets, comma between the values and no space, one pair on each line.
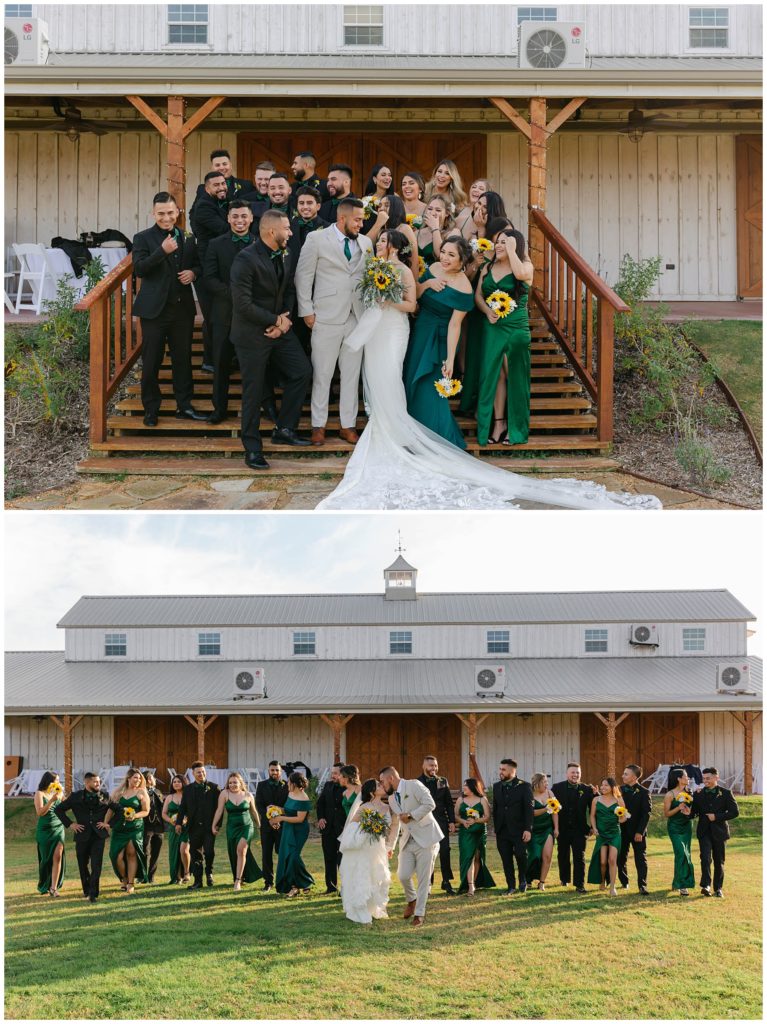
[400,464]
[364,870]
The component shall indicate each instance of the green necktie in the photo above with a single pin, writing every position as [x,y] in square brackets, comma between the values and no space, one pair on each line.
[347,249]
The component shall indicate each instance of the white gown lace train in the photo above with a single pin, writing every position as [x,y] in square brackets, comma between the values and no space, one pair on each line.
[363,873]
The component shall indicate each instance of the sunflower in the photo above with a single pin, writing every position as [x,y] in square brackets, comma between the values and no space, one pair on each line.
[621,813]
[421,266]
[553,806]
[501,303]
[481,245]
[684,797]
[447,388]
[382,281]
[129,813]
[272,811]
[413,220]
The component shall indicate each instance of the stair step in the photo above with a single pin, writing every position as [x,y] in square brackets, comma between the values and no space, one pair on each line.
[205,389]
[168,405]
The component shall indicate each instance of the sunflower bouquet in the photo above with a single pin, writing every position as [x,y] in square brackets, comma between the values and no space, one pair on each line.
[421,267]
[55,789]
[380,282]
[129,813]
[479,246]
[174,818]
[553,806]
[370,205]
[472,813]
[372,823]
[447,387]
[501,303]
[273,811]
[621,813]
[414,220]
[684,797]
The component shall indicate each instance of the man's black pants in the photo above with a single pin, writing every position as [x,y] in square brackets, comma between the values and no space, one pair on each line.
[270,844]
[710,847]
[173,327]
[576,843]
[289,365]
[640,857]
[512,849]
[152,847]
[90,855]
[202,845]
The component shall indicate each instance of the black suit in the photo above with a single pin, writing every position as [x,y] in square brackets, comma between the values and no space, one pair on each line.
[513,815]
[167,310]
[713,835]
[296,242]
[198,807]
[330,808]
[639,805]
[444,815]
[262,288]
[329,209]
[208,221]
[313,181]
[574,829]
[154,828]
[269,792]
[88,810]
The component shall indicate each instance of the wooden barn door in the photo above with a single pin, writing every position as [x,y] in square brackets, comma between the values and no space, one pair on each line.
[593,755]
[644,739]
[748,165]
[373,741]
[168,741]
[402,151]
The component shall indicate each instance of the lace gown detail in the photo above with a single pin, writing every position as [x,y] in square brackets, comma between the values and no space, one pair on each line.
[400,464]
[363,873]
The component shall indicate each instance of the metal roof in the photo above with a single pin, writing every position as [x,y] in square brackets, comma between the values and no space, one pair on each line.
[372,609]
[42,682]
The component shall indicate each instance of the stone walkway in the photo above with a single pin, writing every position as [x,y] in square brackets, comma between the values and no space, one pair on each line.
[191,493]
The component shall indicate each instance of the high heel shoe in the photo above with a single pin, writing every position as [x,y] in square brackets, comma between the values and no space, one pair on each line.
[238,884]
[129,889]
[501,439]
[292,894]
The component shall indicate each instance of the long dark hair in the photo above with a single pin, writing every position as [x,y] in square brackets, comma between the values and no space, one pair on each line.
[673,777]
[495,206]
[475,786]
[371,187]
[496,225]
[396,240]
[464,249]
[369,787]
[47,779]
[351,773]
[520,288]
[397,212]
[612,784]
[417,178]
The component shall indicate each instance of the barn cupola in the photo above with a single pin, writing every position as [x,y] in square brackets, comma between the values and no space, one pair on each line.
[400,579]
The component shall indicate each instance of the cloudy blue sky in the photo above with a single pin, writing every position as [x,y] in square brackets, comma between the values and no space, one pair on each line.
[54,558]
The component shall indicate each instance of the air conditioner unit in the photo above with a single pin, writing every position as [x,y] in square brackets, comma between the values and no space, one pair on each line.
[490,680]
[644,636]
[26,41]
[734,678]
[249,684]
[550,45]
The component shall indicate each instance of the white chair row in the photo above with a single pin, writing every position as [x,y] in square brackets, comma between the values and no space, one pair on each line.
[34,272]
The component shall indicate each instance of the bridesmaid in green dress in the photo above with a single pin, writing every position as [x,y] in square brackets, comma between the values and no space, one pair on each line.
[350,780]
[503,404]
[472,837]
[545,831]
[179,857]
[607,829]
[129,805]
[679,824]
[241,822]
[49,835]
[292,876]
[444,296]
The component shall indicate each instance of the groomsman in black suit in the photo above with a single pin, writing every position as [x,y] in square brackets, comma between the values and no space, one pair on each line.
[715,806]
[330,821]
[154,827]
[270,791]
[208,221]
[263,300]
[513,821]
[574,825]
[634,831]
[306,219]
[89,805]
[279,195]
[304,174]
[167,263]
[339,187]
[198,806]
[444,815]
[258,192]
[221,163]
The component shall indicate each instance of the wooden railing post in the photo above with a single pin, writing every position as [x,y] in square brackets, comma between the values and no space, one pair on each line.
[99,373]
[605,370]
[472,724]
[611,723]
[337,723]
[746,719]
[68,724]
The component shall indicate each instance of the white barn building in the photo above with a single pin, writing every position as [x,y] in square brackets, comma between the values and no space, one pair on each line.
[601,677]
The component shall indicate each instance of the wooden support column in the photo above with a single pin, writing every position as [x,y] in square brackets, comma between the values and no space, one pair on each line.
[200,725]
[337,723]
[472,723]
[611,723]
[747,719]
[68,724]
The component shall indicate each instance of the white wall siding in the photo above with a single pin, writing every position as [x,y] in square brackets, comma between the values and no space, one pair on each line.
[540,743]
[41,744]
[255,740]
[722,744]
[275,643]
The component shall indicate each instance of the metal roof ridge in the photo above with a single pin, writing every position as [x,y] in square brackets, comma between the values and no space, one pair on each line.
[424,593]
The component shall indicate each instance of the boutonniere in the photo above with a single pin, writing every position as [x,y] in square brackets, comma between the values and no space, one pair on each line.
[188,234]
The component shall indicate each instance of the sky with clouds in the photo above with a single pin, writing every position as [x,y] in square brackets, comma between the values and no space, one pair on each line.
[53,559]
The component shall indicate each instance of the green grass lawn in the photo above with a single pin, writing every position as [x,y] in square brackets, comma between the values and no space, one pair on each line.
[735,346]
[166,953]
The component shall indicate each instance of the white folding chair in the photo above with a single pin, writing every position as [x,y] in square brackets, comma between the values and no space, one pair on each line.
[252,778]
[35,278]
[14,786]
[172,773]
[9,302]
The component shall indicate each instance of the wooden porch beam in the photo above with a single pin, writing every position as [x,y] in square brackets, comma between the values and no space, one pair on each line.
[512,114]
[68,724]
[201,113]
[146,111]
[747,721]
[472,723]
[567,111]
[200,724]
[337,723]
[611,723]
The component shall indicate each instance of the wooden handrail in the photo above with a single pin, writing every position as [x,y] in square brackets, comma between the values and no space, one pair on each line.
[106,285]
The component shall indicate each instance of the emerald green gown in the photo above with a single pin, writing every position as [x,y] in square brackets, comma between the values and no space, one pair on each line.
[608,834]
[124,832]
[291,870]
[174,844]
[680,834]
[347,802]
[239,825]
[427,253]
[470,841]
[426,352]
[49,832]
[509,337]
[543,827]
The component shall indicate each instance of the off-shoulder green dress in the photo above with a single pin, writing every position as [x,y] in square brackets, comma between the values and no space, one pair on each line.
[291,870]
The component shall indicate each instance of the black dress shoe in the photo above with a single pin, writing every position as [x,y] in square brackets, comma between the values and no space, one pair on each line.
[719,894]
[449,890]
[269,409]
[214,418]
[286,435]
[256,460]
[705,891]
[644,891]
[195,886]
[207,368]
[150,419]
[268,886]
[330,892]
[579,889]
[92,899]
[209,881]
[190,414]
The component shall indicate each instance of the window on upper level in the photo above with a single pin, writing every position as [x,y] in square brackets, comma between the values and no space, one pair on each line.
[208,644]
[304,643]
[363,25]
[400,642]
[709,27]
[187,23]
[694,639]
[115,645]
[536,14]
[497,641]
[18,10]
[595,641]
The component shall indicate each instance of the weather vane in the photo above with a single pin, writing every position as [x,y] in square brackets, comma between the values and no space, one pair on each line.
[400,549]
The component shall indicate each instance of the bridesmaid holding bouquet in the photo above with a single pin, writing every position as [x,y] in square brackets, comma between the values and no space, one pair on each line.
[241,822]
[292,876]
[49,835]
[677,808]
[179,858]
[472,813]
[606,826]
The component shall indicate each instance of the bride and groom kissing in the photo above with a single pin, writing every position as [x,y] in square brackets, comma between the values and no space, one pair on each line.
[364,869]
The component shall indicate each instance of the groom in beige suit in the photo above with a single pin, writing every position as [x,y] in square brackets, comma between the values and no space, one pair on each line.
[329,269]
[419,838]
